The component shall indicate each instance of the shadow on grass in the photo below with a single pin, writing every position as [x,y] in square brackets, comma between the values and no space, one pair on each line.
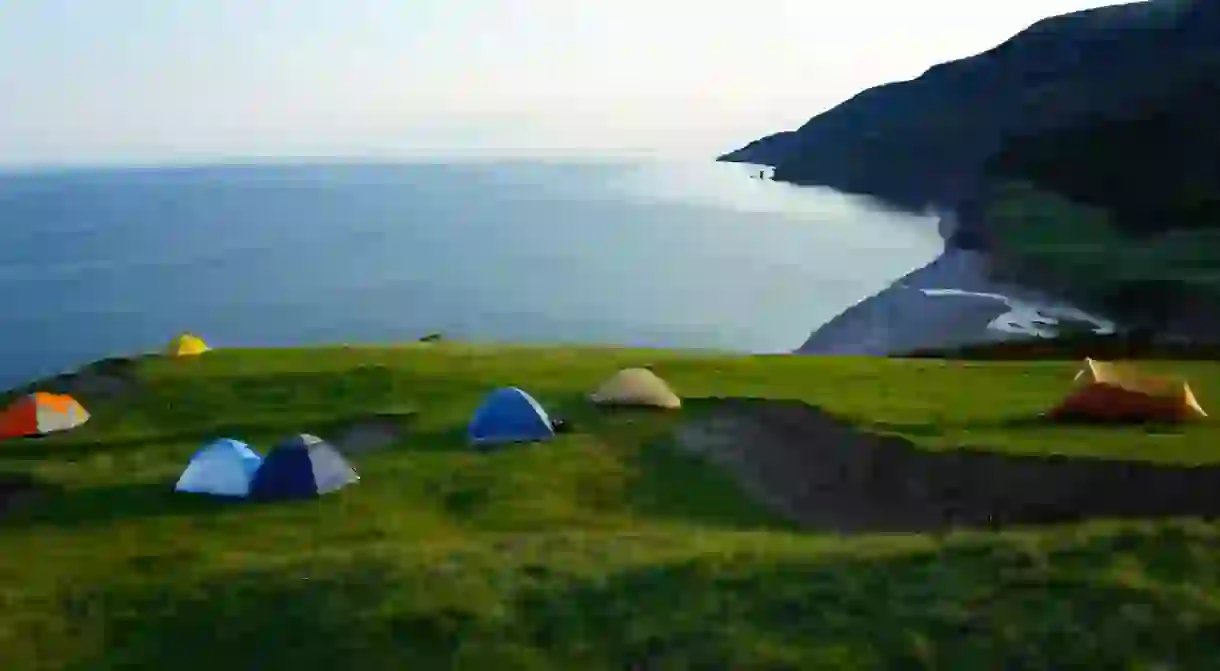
[267,621]
[451,438]
[19,490]
[91,506]
[574,408]
[978,606]
[974,604]
[259,432]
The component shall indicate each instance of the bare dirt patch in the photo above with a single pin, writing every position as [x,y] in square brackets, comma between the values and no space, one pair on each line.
[370,434]
[823,472]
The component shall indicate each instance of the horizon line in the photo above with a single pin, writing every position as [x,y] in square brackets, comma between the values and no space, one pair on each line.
[354,158]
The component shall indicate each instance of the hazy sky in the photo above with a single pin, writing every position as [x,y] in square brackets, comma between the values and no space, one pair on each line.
[147,80]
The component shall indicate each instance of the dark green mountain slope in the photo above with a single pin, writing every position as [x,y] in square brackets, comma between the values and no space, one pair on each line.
[927,139]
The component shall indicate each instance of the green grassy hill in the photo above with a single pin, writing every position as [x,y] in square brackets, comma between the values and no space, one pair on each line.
[1076,249]
[604,548]
[1121,209]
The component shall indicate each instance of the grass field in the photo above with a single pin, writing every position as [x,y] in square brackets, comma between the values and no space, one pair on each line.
[1077,246]
[602,549]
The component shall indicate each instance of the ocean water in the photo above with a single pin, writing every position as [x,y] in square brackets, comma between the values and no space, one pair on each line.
[105,262]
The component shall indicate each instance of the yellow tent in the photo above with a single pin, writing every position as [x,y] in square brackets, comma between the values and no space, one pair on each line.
[186,344]
[1107,391]
[636,386]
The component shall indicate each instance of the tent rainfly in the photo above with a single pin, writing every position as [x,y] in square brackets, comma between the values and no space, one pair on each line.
[221,468]
[510,415]
[41,413]
[636,386]
[303,466]
[1111,392]
[186,344]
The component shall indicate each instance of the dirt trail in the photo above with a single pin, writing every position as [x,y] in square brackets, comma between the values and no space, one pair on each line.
[822,472]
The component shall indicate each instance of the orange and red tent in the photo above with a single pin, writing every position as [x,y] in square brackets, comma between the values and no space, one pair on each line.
[41,413]
[1110,392]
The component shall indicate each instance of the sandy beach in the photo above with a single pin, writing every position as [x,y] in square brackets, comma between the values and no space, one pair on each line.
[949,302]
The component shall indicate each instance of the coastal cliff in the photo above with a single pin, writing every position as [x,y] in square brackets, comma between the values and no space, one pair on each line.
[927,139]
[1122,213]
[1079,160]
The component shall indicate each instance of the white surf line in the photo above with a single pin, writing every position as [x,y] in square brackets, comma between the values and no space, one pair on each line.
[1029,318]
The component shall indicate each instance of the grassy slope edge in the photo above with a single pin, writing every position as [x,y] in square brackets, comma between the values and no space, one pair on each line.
[602,549]
[1078,250]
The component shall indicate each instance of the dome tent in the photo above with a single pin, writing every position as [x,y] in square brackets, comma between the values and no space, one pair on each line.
[1110,392]
[186,344]
[303,466]
[638,387]
[41,413]
[222,468]
[510,415]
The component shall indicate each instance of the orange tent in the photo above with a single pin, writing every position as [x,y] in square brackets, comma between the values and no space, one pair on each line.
[41,413]
[1110,392]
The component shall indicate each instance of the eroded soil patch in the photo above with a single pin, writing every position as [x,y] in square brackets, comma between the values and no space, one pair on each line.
[370,434]
[823,472]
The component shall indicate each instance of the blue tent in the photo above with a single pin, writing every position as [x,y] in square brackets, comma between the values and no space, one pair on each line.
[221,468]
[510,415]
[302,466]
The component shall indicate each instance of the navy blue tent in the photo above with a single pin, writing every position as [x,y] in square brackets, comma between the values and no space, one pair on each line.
[510,415]
[302,466]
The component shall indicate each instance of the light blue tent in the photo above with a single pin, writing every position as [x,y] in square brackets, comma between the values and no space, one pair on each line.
[303,466]
[509,415]
[222,468]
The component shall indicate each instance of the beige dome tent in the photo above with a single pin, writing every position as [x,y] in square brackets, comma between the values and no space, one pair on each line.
[636,386]
[1107,391]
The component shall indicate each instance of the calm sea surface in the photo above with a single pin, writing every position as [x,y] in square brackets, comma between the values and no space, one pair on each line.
[103,262]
